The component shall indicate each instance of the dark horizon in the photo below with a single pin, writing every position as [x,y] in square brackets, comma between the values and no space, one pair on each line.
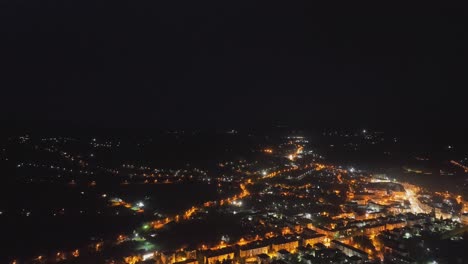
[208,65]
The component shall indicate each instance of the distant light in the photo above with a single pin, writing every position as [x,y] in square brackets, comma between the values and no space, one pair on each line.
[264,173]
[145,226]
[148,256]
[140,204]
[352,170]
[104,195]
[364,131]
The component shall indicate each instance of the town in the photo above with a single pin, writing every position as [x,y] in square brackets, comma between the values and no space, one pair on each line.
[288,205]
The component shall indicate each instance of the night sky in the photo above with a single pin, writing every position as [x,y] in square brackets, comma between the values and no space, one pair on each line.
[198,64]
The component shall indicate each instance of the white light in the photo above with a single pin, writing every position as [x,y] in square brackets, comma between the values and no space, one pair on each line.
[140,204]
[264,173]
[148,256]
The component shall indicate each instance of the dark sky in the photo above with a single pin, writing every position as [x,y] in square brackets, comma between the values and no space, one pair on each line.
[196,63]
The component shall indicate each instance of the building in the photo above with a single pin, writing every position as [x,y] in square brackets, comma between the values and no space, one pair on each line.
[441,215]
[373,206]
[283,254]
[313,239]
[187,261]
[286,230]
[362,198]
[263,259]
[395,224]
[412,219]
[349,250]
[464,218]
[373,229]
[399,195]
[284,243]
[309,259]
[213,256]
[253,249]
[168,257]
[323,230]
[190,253]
